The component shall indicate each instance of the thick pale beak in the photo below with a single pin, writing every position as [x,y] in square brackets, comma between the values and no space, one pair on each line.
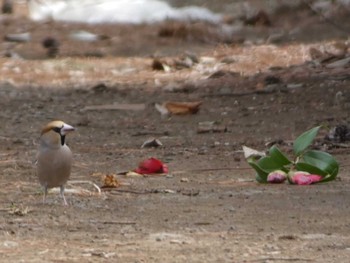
[66,129]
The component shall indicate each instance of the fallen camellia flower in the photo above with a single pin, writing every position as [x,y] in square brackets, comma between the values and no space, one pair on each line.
[276,177]
[152,166]
[304,178]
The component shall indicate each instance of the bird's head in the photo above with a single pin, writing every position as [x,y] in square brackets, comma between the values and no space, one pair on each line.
[54,133]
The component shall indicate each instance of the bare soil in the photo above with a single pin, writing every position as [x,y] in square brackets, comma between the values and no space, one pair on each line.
[209,208]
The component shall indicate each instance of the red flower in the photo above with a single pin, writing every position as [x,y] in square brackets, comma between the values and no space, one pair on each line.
[152,166]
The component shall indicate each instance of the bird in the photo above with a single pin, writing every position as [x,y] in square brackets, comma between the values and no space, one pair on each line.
[54,158]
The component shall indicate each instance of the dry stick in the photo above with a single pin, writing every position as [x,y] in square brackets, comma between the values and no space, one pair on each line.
[119,223]
[281,259]
[213,169]
[329,21]
[113,190]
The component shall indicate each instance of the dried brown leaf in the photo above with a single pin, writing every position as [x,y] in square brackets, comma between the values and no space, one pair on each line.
[182,108]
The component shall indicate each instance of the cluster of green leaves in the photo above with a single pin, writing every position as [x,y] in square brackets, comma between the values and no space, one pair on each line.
[311,161]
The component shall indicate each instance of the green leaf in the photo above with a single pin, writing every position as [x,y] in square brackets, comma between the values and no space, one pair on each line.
[327,178]
[306,167]
[261,176]
[269,165]
[304,140]
[259,179]
[323,161]
[278,156]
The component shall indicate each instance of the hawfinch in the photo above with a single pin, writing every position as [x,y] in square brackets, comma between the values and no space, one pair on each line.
[54,157]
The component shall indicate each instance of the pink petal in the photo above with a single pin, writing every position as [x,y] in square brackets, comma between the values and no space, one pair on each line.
[306,179]
[301,179]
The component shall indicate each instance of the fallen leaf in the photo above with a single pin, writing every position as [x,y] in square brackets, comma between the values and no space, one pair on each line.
[152,142]
[182,108]
[249,152]
[110,181]
[162,109]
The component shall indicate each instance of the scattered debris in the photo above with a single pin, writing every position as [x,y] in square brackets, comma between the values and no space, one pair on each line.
[20,38]
[151,132]
[186,61]
[261,18]
[339,63]
[222,73]
[133,174]
[86,36]
[190,192]
[160,65]
[52,46]
[339,133]
[328,53]
[100,88]
[152,142]
[157,64]
[210,126]
[79,190]
[18,211]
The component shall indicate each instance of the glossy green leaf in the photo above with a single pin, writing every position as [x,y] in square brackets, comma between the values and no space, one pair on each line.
[328,178]
[278,156]
[259,179]
[269,165]
[304,140]
[261,173]
[306,167]
[323,161]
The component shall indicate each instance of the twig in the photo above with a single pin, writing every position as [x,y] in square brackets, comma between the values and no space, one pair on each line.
[113,190]
[143,133]
[135,107]
[212,169]
[281,259]
[119,223]
[86,182]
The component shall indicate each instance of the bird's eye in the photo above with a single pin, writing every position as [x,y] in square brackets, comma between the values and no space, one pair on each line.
[56,129]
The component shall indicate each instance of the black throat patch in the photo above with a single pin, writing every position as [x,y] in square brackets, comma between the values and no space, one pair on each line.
[63,138]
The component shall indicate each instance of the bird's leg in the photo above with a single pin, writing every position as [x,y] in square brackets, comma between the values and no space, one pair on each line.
[62,194]
[45,194]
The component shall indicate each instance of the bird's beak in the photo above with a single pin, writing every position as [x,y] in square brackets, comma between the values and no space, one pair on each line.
[66,129]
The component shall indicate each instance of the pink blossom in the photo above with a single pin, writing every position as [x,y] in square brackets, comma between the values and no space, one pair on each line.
[276,177]
[302,178]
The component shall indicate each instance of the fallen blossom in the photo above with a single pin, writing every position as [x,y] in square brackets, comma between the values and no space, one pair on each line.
[152,166]
[303,178]
[276,177]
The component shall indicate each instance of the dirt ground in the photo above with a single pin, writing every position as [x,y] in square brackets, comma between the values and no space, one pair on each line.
[258,85]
